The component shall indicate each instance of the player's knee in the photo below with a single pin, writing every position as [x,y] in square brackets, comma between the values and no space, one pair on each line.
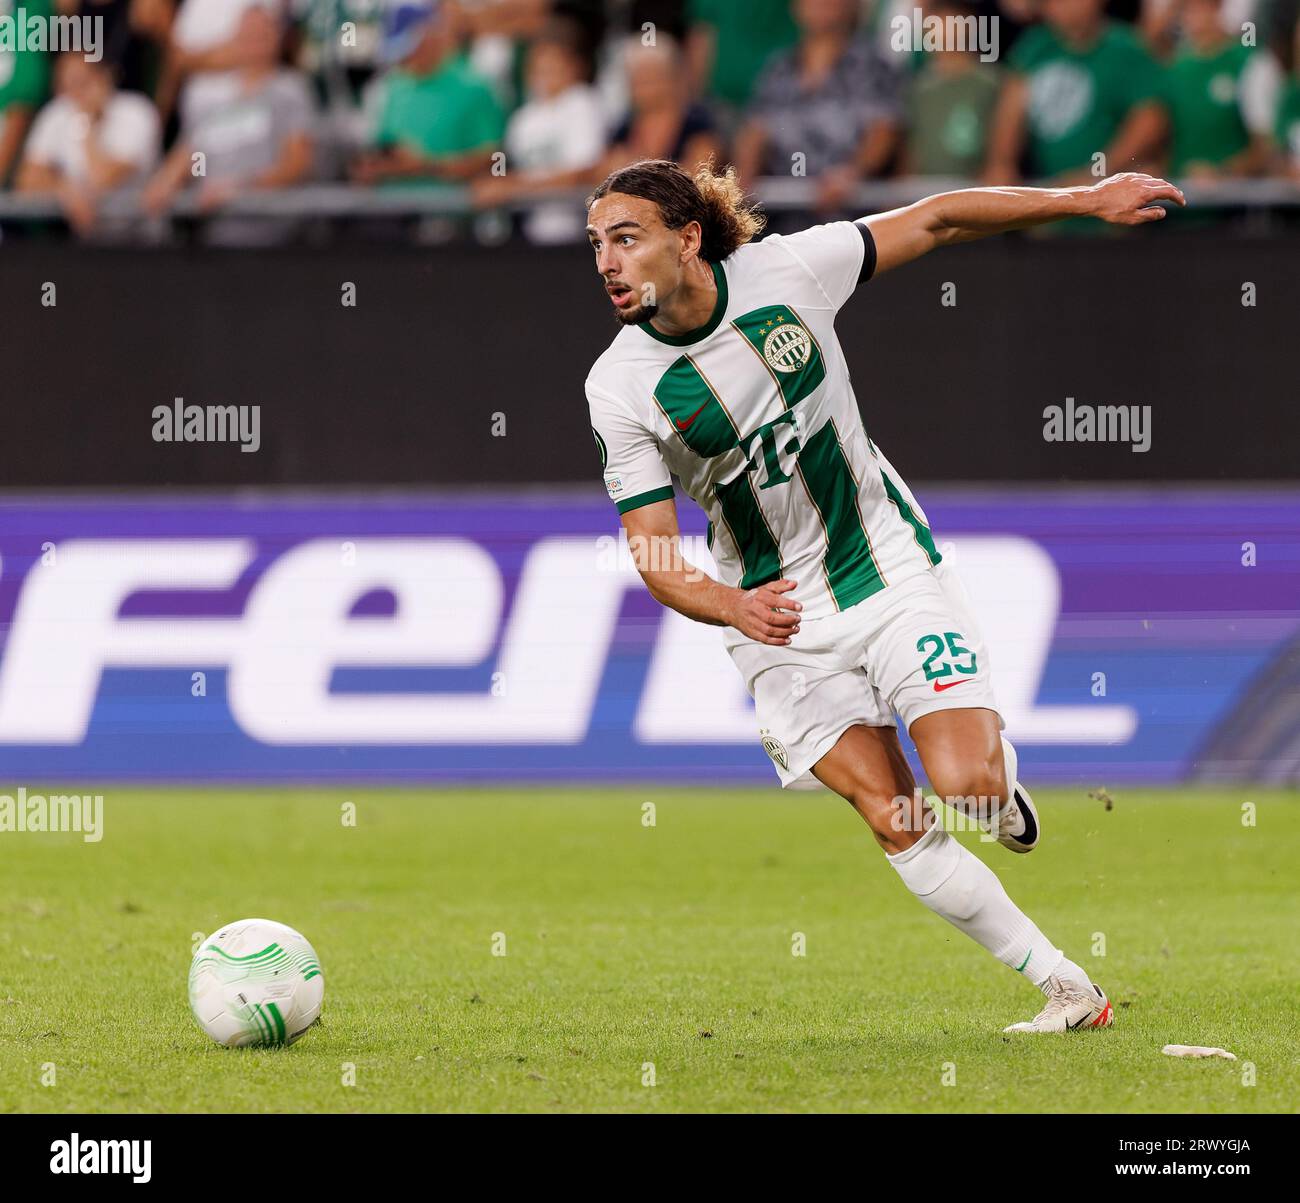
[975,787]
[989,783]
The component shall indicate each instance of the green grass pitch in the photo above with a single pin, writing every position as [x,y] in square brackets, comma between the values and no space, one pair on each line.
[629,945]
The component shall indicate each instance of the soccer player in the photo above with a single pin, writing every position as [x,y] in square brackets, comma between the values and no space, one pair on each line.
[837,607]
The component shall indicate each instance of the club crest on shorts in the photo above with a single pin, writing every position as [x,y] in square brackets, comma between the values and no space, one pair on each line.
[775,749]
[788,347]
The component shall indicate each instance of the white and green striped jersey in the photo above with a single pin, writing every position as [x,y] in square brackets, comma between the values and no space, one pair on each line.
[755,415]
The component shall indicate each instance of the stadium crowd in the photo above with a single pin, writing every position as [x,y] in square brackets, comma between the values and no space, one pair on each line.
[517,103]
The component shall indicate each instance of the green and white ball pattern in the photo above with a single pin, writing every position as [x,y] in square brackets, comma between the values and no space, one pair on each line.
[255,982]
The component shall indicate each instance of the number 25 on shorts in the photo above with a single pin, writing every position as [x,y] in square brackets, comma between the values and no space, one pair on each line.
[944,657]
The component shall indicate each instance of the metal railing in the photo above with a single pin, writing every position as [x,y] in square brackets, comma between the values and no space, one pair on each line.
[777,194]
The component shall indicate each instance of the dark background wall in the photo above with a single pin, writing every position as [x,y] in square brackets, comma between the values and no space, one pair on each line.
[402,389]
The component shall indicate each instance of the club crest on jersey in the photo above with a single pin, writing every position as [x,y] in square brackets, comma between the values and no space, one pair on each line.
[788,347]
[775,749]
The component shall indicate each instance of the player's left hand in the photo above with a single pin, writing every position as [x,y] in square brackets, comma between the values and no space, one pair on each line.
[1129,198]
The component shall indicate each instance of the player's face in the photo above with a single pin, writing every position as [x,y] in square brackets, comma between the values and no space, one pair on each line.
[637,256]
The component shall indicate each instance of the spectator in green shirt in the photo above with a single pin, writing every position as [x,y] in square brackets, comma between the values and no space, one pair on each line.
[1080,85]
[1288,128]
[1202,91]
[24,85]
[1286,125]
[438,118]
[949,104]
[730,42]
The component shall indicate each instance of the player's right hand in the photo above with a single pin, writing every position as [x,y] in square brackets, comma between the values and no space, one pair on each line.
[763,614]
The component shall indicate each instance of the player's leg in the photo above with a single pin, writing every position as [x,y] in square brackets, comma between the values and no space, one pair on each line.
[921,640]
[962,755]
[1012,819]
[973,752]
[868,769]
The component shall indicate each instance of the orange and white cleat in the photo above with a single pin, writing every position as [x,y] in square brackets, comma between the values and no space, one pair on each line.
[1070,1008]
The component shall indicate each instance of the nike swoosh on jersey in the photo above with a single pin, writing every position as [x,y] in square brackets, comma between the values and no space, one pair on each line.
[951,685]
[686,425]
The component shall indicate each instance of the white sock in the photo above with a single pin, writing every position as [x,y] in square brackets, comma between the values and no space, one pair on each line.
[1068,971]
[956,884]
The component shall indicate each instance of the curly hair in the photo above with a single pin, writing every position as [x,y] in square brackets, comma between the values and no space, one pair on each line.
[713,198]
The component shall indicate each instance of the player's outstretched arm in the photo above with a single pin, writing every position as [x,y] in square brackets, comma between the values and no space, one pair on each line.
[654,540]
[901,235]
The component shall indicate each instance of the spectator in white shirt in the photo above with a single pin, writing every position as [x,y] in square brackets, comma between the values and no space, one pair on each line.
[260,139]
[555,140]
[89,140]
[205,54]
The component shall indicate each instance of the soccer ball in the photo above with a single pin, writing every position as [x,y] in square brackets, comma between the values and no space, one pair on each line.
[255,982]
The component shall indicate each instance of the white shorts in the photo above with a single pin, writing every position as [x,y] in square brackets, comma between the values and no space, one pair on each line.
[913,648]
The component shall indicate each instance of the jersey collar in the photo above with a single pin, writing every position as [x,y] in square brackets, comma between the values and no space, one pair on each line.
[694,336]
